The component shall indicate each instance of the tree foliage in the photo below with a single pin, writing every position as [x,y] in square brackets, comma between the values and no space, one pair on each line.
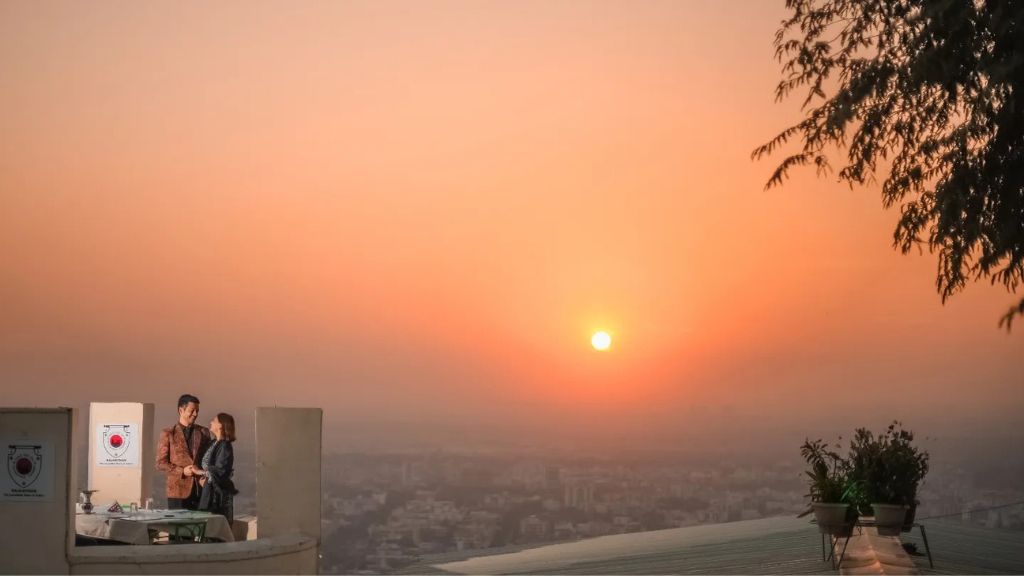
[930,95]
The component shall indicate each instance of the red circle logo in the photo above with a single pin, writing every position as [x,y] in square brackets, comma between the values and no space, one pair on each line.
[23,466]
[116,440]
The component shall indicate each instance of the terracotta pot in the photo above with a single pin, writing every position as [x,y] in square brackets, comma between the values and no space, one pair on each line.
[831,518]
[889,518]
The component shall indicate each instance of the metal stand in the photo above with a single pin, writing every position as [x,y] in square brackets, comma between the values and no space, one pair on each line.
[189,531]
[182,532]
[927,548]
[833,541]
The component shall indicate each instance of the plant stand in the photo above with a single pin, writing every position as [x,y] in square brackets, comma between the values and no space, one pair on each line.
[924,536]
[833,542]
[859,524]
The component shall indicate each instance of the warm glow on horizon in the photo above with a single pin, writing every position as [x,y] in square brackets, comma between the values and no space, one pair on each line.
[420,212]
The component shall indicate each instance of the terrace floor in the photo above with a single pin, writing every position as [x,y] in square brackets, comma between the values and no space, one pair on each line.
[765,546]
[782,545]
[960,549]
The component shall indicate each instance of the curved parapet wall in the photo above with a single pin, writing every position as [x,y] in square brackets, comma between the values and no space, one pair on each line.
[285,554]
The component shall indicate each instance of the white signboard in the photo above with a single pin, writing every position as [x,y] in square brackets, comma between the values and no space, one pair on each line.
[118,445]
[28,475]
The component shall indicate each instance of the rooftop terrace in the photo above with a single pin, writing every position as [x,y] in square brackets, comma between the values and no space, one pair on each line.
[781,545]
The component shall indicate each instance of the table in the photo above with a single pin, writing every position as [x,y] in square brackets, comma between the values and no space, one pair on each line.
[135,528]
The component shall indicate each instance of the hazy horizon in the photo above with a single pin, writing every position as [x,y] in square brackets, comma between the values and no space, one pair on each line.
[414,215]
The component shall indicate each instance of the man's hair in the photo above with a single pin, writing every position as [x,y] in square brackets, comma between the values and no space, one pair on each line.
[186,399]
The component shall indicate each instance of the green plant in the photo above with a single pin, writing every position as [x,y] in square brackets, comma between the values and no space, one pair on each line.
[888,467]
[906,465]
[829,474]
[867,468]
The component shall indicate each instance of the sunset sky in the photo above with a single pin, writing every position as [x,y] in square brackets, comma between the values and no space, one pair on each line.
[416,214]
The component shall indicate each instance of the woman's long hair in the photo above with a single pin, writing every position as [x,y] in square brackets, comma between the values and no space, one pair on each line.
[227,423]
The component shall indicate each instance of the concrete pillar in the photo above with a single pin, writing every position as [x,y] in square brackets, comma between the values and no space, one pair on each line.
[121,452]
[37,495]
[288,491]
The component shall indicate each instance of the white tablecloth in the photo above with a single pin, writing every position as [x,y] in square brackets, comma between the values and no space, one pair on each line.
[134,528]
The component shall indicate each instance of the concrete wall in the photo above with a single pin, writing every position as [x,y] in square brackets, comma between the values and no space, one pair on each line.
[125,483]
[36,533]
[288,491]
[290,554]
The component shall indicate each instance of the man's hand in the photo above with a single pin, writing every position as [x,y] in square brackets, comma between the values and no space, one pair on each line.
[189,470]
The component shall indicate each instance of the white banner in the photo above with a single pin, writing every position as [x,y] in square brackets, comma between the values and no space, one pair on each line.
[118,445]
[29,471]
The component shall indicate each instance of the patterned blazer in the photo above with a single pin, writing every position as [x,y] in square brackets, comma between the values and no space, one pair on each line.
[172,456]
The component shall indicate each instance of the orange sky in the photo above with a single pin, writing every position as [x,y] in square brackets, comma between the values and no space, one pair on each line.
[420,211]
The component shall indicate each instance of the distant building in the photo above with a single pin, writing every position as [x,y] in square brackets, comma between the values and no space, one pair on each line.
[551,504]
[579,496]
[564,531]
[552,477]
[533,529]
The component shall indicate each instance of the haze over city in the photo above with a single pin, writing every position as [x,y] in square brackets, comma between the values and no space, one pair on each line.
[416,215]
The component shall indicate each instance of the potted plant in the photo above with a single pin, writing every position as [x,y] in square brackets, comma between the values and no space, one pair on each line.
[908,465]
[890,469]
[832,490]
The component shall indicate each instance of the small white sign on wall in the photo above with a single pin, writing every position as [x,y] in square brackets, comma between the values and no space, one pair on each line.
[118,445]
[29,471]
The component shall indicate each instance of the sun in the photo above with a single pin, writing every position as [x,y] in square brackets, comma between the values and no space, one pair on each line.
[601,340]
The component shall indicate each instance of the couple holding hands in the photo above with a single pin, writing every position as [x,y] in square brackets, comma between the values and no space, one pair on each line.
[198,461]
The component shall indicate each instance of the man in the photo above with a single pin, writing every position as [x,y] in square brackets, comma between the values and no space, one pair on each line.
[178,453]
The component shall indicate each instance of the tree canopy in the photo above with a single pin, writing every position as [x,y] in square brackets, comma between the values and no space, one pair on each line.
[929,96]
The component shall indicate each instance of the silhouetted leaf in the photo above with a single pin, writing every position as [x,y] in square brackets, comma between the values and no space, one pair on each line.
[934,91]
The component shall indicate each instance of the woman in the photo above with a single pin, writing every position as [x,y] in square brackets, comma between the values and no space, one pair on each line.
[218,466]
